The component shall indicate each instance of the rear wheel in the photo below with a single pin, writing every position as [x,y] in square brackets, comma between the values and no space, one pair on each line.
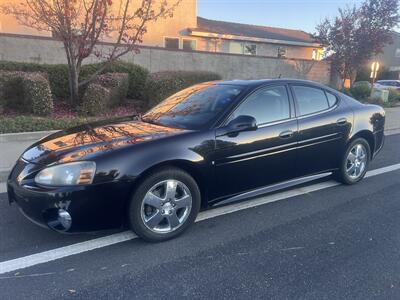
[354,164]
[164,205]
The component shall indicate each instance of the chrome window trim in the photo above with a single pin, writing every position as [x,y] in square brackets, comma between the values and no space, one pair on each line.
[298,117]
[291,106]
[301,117]
[263,125]
[319,112]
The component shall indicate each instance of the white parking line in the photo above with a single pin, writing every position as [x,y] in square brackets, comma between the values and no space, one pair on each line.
[51,255]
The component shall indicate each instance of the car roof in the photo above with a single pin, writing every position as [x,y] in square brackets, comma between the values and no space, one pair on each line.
[260,82]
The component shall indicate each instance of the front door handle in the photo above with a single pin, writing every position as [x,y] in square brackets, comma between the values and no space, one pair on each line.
[341,121]
[286,134]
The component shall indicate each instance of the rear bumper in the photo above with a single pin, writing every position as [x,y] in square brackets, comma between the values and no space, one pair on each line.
[93,207]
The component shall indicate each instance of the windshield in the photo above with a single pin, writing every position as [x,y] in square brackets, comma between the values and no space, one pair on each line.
[195,107]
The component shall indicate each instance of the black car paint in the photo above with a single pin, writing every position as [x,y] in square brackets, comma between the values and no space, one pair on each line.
[126,150]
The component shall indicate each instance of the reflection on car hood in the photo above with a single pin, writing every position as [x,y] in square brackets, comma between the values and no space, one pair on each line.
[85,142]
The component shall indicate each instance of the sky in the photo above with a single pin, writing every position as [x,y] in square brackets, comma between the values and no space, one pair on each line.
[294,14]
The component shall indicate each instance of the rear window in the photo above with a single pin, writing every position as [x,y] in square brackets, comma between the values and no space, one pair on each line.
[331,99]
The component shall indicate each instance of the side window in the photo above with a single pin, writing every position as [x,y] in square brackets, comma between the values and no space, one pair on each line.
[331,99]
[310,100]
[266,106]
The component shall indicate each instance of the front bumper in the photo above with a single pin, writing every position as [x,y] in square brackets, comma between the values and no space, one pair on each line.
[91,207]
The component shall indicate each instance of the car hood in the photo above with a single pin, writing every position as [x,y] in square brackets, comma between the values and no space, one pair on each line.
[87,141]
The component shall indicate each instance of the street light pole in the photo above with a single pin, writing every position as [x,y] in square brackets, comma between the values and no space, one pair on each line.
[374,71]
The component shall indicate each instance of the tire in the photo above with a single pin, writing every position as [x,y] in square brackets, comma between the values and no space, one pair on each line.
[347,172]
[164,205]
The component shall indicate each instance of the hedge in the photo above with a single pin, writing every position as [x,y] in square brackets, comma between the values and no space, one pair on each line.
[95,101]
[106,91]
[26,92]
[58,75]
[29,123]
[394,96]
[117,83]
[161,85]
[137,75]
[361,90]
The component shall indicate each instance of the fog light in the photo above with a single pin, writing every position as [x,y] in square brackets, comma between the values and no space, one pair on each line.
[65,219]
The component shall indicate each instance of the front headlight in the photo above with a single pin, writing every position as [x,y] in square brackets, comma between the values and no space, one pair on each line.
[75,173]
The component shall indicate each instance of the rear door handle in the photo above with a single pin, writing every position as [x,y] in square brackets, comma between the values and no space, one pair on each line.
[341,121]
[286,134]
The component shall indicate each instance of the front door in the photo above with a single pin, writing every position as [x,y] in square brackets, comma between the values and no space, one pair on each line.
[252,159]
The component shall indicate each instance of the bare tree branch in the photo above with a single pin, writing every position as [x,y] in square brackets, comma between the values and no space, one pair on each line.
[82,25]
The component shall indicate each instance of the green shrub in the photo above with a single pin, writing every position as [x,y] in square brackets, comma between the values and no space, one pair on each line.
[374,100]
[29,123]
[394,96]
[95,101]
[117,83]
[37,93]
[161,85]
[361,90]
[58,75]
[11,91]
[26,92]
[137,75]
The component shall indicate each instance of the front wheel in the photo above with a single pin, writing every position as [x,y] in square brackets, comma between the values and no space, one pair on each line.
[164,205]
[354,164]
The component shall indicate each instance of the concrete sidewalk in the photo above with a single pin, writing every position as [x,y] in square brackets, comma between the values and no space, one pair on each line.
[392,120]
[12,145]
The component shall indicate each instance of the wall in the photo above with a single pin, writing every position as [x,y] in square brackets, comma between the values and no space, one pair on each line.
[230,66]
[184,16]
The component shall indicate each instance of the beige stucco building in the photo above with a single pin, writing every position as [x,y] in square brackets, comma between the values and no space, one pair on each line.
[186,31]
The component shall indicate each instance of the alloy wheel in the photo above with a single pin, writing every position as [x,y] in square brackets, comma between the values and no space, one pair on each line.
[166,206]
[356,161]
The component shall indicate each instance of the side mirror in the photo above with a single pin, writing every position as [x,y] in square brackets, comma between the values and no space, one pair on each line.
[242,123]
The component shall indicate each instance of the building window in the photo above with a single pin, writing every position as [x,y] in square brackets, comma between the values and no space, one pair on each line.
[397,54]
[250,49]
[189,45]
[282,51]
[314,54]
[171,43]
[242,48]
[235,48]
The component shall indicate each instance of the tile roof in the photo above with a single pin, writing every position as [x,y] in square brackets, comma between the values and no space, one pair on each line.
[254,31]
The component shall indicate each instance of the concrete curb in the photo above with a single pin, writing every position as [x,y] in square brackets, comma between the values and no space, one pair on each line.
[24,136]
[4,175]
[20,137]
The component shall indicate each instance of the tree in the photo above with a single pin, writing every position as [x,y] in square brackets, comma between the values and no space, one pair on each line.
[358,33]
[82,24]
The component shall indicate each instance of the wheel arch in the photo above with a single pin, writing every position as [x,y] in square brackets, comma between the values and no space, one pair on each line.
[368,136]
[184,165]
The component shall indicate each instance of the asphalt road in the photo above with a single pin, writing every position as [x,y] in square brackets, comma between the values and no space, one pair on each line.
[337,243]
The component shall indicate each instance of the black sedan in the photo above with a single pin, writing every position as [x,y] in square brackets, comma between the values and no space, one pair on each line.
[206,145]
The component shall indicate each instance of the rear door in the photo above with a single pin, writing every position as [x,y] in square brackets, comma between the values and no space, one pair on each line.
[251,159]
[324,124]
